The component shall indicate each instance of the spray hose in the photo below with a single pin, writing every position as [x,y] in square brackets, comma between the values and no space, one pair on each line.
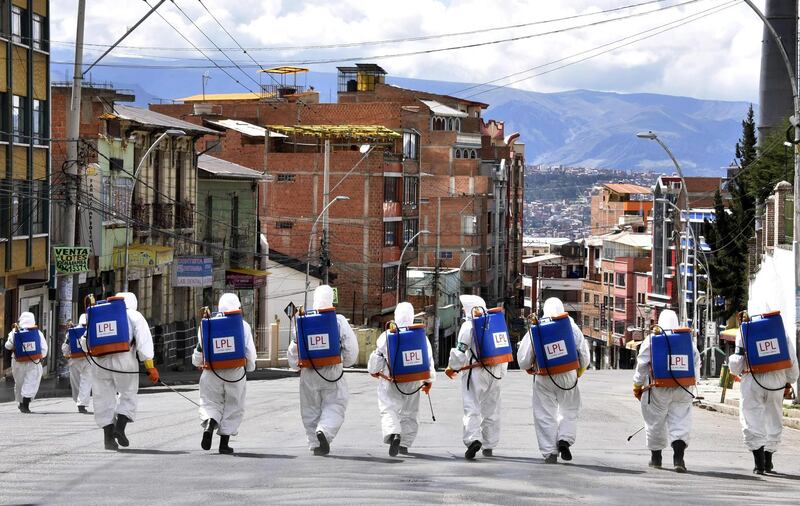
[669,362]
[392,327]
[535,322]
[302,312]
[15,329]
[474,355]
[205,314]
[744,317]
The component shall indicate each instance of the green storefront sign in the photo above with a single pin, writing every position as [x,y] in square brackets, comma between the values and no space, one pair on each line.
[71,260]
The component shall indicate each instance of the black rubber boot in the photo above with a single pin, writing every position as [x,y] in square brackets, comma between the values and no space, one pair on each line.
[25,406]
[119,430]
[768,462]
[108,437]
[759,458]
[678,447]
[472,450]
[551,459]
[223,445]
[563,450]
[208,434]
[487,452]
[655,459]
[404,450]
[324,447]
[82,409]
[394,445]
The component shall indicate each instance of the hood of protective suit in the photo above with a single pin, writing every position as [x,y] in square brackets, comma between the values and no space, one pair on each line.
[82,320]
[668,320]
[27,320]
[553,307]
[229,302]
[130,300]
[404,314]
[323,297]
[468,302]
[759,306]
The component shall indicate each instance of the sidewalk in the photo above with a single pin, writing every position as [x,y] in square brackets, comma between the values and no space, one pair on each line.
[59,387]
[710,399]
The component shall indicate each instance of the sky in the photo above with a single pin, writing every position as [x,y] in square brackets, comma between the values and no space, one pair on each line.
[714,57]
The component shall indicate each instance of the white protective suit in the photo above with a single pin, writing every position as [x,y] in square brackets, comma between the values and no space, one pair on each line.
[107,384]
[27,375]
[480,387]
[667,411]
[555,410]
[761,411]
[399,412]
[80,372]
[224,400]
[322,403]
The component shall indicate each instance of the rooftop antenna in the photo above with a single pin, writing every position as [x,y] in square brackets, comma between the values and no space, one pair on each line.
[206,77]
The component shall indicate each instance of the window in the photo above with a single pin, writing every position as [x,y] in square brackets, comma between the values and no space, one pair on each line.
[284,224]
[390,233]
[286,178]
[619,303]
[390,278]
[586,297]
[468,225]
[596,323]
[157,174]
[39,126]
[410,229]
[620,279]
[16,24]
[390,189]
[156,311]
[213,146]
[18,119]
[586,321]
[619,327]
[410,190]
[473,154]
[410,141]
[446,255]
[37,37]
[456,153]
[596,299]
[115,193]
[489,219]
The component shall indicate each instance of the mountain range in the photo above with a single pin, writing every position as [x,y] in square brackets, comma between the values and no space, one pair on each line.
[579,128]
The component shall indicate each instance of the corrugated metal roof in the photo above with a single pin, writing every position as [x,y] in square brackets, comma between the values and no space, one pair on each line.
[224,168]
[626,188]
[540,258]
[644,241]
[360,132]
[440,109]
[244,127]
[147,117]
[218,97]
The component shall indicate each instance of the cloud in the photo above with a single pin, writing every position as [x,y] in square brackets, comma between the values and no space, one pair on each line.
[716,57]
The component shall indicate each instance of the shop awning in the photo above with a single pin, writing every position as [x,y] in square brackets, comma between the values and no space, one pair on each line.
[244,279]
[633,345]
[143,255]
[729,334]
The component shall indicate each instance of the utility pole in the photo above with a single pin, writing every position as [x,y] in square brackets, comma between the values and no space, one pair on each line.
[436,307]
[66,283]
[609,325]
[326,195]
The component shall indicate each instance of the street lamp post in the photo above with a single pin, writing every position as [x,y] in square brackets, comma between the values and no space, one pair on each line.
[400,267]
[796,123]
[650,135]
[310,241]
[171,131]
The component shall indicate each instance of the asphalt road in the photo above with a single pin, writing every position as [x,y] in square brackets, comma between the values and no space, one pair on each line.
[56,456]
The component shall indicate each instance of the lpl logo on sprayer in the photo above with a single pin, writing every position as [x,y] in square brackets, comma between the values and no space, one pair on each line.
[28,347]
[679,362]
[318,342]
[224,345]
[106,329]
[412,357]
[768,347]
[500,339]
[555,350]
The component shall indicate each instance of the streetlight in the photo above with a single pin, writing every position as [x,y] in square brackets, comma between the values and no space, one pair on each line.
[400,266]
[652,136]
[683,309]
[171,131]
[311,239]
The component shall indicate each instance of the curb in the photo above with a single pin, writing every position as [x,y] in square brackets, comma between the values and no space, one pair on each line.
[792,422]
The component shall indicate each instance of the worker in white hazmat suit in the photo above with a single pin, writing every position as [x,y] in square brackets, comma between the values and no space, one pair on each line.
[222,391]
[323,398]
[761,401]
[116,378]
[480,386]
[27,372]
[398,402]
[557,397]
[80,372]
[667,411]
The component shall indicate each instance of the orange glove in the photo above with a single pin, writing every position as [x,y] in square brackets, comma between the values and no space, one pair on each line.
[426,388]
[451,373]
[376,375]
[637,392]
[152,372]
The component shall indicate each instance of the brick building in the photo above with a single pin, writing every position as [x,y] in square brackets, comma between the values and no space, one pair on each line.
[617,205]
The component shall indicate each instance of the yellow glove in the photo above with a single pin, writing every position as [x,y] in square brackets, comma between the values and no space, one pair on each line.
[637,391]
[581,371]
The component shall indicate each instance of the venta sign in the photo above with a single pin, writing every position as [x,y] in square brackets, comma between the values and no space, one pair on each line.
[71,260]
